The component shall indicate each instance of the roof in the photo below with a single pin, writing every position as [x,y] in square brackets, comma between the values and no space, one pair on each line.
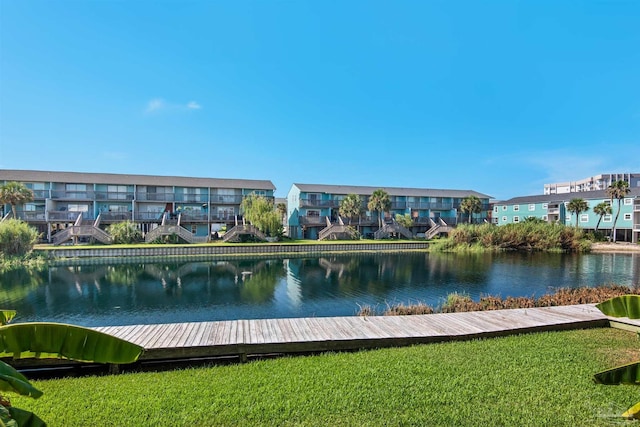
[564,197]
[124,179]
[392,191]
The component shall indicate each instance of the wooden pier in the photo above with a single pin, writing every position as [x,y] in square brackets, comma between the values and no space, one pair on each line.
[177,342]
[242,338]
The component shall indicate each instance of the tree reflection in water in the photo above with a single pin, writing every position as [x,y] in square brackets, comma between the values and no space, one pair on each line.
[141,291]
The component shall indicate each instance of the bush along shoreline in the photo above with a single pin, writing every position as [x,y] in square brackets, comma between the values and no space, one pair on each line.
[459,302]
[530,235]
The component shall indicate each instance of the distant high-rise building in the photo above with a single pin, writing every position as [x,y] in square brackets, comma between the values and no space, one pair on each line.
[594,183]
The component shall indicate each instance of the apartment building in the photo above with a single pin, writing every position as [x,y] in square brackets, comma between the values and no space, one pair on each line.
[312,208]
[198,205]
[553,208]
[593,183]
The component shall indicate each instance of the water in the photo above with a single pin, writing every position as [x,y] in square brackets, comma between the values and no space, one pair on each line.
[148,292]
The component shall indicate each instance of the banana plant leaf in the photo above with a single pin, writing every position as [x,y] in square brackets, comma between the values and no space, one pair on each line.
[12,380]
[633,412]
[58,340]
[622,306]
[6,316]
[26,418]
[625,374]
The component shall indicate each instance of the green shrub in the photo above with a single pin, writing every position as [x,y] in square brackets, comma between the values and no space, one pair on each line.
[524,236]
[125,232]
[16,238]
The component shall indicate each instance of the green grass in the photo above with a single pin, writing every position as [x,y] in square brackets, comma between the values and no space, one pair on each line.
[530,380]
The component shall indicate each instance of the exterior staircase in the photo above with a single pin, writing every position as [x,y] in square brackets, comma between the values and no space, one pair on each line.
[173,228]
[437,228]
[393,227]
[78,229]
[234,234]
[336,231]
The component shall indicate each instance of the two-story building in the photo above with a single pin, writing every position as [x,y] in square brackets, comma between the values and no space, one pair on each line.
[311,207]
[553,208]
[203,204]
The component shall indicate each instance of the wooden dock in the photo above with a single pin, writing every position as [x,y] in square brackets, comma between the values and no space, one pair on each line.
[243,338]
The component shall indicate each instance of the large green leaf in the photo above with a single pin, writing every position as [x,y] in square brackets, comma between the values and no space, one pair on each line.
[625,374]
[57,340]
[6,316]
[12,380]
[26,418]
[622,306]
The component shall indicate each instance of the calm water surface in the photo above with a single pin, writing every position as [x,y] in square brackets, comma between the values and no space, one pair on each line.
[181,291]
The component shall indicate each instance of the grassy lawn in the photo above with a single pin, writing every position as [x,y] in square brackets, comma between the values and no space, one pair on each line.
[530,380]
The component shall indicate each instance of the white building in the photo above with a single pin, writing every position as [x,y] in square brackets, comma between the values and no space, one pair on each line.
[594,183]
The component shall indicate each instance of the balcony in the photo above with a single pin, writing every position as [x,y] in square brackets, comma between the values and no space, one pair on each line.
[68,216]
[149,216]
[114,195]
[40,194]
[306,202]
[312,220]
[192,198]
[115,216]
[194,216]
[225,200]
[72,195]
[155,197]
[32,216]
[553,211]
[636,205]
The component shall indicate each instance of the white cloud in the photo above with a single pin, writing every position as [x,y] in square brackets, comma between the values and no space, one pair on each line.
[155,105]
[158,104]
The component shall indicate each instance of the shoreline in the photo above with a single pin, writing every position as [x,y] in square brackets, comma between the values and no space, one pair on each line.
[620,247]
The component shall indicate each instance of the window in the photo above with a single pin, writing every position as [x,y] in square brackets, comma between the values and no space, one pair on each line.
[568,218]
[628,201]
[516,208]
[495,209]
[118,208]
[584,218]
[516,219]
[606,218]
[504,208]
[76,187]
[627,217]
[545,218]
[314,213]
[504,219]
[545,206]
[29,207]
[532,207]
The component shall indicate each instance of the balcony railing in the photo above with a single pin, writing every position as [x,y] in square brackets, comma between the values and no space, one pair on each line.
[114,195]
[155,197]
[319,203]
[149,216]
[40,194]
[636,206]
[74,195]
[313,220]
[115,216]
[225,200]
[68,216]
[32,215]
[192,198]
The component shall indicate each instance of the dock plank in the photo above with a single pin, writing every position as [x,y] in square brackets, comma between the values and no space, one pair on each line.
[239,337]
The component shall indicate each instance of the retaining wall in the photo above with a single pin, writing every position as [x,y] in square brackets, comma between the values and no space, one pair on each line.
[168,251]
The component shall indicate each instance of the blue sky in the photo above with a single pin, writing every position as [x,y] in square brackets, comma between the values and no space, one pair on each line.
[494,96]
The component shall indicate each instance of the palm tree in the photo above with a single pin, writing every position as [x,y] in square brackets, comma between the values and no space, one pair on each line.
[351,206]
[379,201]
[577,206]
[15,193]
[281,208]
[471,205]
[617,190]
[601,209]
